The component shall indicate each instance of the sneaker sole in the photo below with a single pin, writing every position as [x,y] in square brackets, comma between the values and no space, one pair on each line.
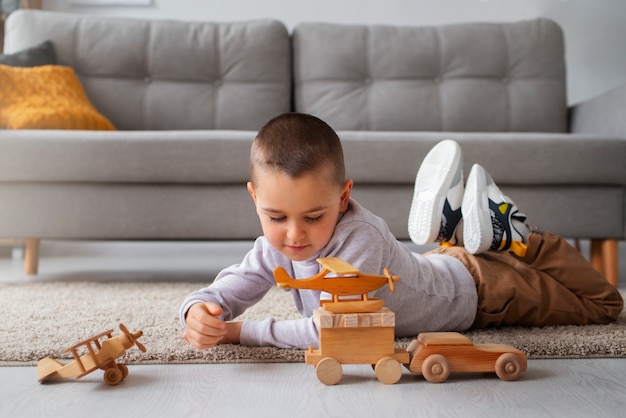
[433,180]
[477,228]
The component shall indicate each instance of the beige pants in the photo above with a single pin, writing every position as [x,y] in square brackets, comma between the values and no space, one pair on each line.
[552,285]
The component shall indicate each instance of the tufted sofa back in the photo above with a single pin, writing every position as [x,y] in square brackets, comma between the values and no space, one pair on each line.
[473,77]
[168,75]
[154,75]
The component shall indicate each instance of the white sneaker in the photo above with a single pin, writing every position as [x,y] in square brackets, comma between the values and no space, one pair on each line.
[491,220]
[436,207]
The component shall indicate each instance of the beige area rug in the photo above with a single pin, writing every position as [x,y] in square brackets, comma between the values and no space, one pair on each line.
[41,319]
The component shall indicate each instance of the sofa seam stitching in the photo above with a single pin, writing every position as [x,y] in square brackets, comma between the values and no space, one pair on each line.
[368,87]
[218,59]
[440,77]
[147,75]
[507,80]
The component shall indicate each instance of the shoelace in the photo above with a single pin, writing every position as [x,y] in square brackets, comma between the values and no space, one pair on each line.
[501,216]
[449,221]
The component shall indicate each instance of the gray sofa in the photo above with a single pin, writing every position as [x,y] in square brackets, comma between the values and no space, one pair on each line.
[188,98]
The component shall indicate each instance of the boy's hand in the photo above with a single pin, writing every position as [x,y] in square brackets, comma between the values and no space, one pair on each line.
[204,330]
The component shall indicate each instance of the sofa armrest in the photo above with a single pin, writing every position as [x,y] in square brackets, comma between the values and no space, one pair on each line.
[603,114]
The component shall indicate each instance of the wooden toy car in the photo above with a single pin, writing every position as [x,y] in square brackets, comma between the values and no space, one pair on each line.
[97,356]
[437,354]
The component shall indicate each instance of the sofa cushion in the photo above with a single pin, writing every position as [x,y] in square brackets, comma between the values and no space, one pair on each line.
[514,158]
[42,54]
[46,97]
[126,157]
[157,75]
[372,158]
[473,77]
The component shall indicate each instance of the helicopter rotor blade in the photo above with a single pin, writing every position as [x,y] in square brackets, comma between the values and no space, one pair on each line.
[390,280]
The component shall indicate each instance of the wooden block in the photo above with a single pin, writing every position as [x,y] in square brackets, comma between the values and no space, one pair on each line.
[350,345]
[351,320]
[383,318]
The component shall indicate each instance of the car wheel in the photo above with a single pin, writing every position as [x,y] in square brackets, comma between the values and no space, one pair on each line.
[508,366]
[436,368]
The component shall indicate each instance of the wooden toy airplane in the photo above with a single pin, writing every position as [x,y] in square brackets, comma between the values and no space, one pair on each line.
[349,281]
[102,357]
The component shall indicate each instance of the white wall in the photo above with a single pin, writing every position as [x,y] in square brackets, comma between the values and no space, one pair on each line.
[595,30]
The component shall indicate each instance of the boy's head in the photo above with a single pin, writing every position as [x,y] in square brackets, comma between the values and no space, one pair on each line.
[297,181]
[295,144]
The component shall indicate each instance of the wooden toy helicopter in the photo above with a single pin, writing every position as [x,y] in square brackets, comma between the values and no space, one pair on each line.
[363,332]
[102,356]
[349,281]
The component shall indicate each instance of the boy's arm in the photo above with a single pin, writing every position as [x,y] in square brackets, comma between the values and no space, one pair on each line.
[237,287]
[202,333]
[232,293]
[240,286]
[292,333]
[233,333]
[204,329]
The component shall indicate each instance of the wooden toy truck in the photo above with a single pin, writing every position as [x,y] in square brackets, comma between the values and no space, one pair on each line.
[356,338]
[362,331]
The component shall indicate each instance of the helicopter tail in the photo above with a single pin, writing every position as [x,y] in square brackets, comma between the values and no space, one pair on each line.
[282,277]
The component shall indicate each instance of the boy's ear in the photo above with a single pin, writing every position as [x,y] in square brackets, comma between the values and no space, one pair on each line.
[251,191]
[345,194]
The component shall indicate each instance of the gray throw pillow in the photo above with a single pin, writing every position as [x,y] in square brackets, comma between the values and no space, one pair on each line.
[42,54]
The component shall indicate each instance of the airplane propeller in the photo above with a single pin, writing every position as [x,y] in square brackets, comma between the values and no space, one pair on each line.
[133,337]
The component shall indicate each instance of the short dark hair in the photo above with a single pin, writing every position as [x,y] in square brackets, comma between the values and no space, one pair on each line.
[296,144]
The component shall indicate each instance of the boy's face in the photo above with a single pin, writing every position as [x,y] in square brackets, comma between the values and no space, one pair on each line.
[298,216]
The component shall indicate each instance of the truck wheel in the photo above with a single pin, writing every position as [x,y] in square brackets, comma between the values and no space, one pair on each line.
[388,370]
[329,371]
[436,368]
[508,366]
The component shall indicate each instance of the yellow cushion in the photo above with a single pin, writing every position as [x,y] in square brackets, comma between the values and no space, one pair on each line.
[46,97]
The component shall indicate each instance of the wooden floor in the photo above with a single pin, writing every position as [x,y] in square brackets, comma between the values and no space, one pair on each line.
[559,388]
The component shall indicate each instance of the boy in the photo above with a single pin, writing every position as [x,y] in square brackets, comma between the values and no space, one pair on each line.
[503,275]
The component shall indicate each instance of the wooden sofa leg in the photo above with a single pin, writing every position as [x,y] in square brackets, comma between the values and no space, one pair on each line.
[604,258]
[595,256]
[610,258]
[31,256]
